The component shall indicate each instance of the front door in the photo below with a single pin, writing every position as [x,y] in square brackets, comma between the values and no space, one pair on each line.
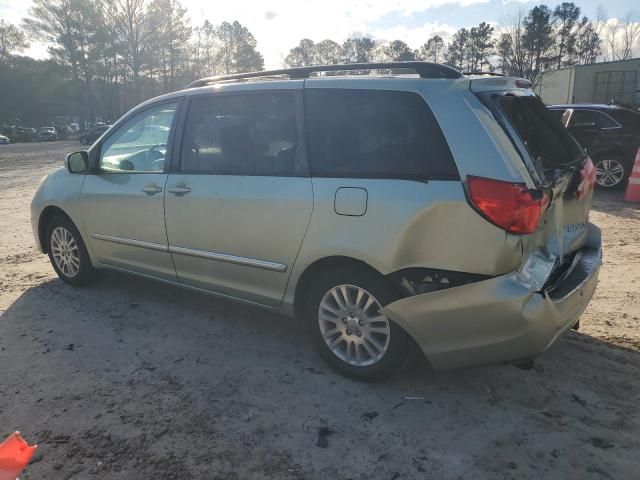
[239,204]
[123,202]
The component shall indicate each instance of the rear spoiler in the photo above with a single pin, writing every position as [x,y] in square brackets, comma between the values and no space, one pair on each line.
[485,83]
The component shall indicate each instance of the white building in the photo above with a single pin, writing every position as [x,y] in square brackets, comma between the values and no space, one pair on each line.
[595,83]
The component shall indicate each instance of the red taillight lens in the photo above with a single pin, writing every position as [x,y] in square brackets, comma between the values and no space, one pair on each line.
[510,206]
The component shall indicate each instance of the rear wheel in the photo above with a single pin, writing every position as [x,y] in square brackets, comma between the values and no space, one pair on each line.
[67,252]
[610,173]
[348,328]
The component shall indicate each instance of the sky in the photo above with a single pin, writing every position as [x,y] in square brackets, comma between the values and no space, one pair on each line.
[278,25]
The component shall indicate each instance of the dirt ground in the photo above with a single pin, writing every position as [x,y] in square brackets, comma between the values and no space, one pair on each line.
[132,379]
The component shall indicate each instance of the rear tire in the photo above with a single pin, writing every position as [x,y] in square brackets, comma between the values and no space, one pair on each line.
[67,252]
[349,333]
[611,173]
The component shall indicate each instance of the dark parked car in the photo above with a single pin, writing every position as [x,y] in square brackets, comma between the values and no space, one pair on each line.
[93,134]
[19,134]
[28,134]
[47,134]
[22,134]
[609,133]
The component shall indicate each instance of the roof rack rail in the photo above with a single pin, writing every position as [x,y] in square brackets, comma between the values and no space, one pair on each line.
[424,69]
[481,72]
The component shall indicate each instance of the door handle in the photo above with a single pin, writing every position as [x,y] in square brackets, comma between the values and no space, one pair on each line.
[151,189]
[179,189]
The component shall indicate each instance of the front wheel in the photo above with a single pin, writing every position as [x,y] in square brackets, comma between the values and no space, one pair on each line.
[67,252]
[348,328]
[610,173]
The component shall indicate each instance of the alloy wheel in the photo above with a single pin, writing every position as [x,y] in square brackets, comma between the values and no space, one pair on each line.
[352,325]
[609,173]
[65,252]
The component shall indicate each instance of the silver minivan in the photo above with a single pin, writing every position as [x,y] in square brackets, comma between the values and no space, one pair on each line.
[388,206]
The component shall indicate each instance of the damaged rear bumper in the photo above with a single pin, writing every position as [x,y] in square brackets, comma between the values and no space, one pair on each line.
[506,319]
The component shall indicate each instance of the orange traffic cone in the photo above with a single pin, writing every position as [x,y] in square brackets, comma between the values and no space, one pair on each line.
[633,188]
[15,454]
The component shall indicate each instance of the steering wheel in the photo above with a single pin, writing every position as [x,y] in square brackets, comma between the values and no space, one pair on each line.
[157,163]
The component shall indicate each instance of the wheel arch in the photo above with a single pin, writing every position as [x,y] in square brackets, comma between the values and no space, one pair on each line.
[607,152]
[45,217]
[330,263]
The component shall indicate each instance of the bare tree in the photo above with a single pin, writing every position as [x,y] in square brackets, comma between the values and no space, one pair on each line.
[600,27]
[510,46]
[630,33]
[620,36]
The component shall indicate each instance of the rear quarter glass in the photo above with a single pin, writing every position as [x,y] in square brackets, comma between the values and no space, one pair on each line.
[375,134]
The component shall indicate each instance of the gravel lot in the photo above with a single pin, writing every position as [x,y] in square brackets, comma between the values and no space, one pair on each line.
[134,379]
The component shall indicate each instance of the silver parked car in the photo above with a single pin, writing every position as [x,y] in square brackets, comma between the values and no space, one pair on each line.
[386,211]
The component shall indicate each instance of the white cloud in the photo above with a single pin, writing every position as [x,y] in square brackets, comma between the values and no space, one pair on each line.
[415,36]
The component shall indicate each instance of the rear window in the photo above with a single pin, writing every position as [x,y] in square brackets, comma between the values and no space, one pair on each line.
[374,134]
[630,120]
[545,138]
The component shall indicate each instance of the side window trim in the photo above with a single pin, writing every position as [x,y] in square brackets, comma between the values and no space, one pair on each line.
[300,154]
[96,153]
[173,166]
[611,119]
[598,114]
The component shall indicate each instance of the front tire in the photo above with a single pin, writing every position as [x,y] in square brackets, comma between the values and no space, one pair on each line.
[67,252]
[348,329]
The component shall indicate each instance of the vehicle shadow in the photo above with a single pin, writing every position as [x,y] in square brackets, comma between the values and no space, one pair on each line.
[613,203]
[133,360]
[125,302]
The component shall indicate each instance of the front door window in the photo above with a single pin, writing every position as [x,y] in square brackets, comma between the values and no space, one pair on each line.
[140,145]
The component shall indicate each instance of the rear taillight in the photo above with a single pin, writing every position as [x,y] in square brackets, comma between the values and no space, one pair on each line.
[510,206]
[587,179]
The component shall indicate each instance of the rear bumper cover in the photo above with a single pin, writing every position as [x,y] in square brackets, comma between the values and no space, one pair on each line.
[505,319]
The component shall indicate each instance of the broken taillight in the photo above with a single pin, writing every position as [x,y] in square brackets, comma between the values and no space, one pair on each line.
[587,179]
[510,206]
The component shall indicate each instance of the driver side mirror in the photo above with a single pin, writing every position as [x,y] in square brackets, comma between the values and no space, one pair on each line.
[77,162]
